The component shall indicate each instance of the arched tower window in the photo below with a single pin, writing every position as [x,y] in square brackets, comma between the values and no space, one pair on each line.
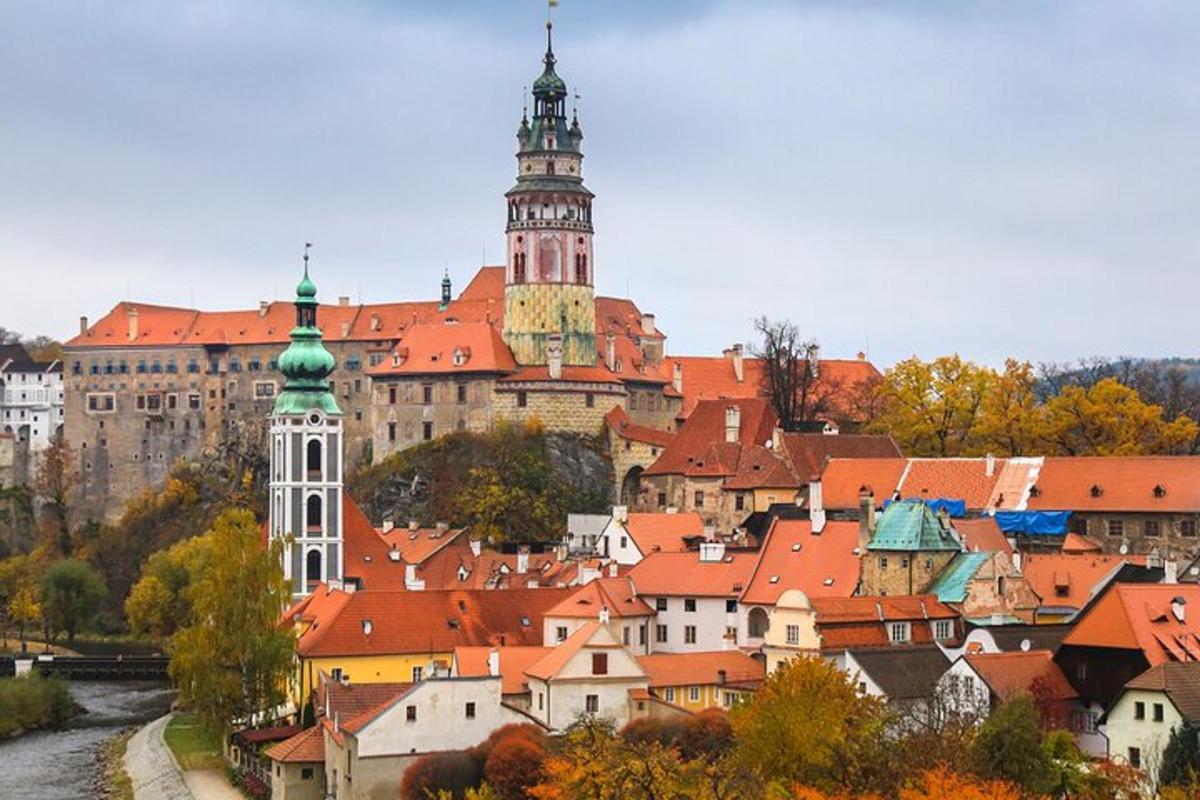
[312,566]
[313,462]
[313,524]
[581,270]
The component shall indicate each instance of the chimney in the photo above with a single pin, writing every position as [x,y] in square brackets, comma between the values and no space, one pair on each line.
[476,546]
[738,371]
[443,526]
[943,518]
[816,504]
[411,581]
[1179,608]
[344,300]
[132,313]
[712,551]
[83,325]
[345,328]
[263,307]
[614,569]
[1170,571]
[414,525]
[610,351]
[1016,560]
[866,518]
[388,525]
[648,324]
[733,423]
[814,359]
[677,377]
[989,468]
[376,322]
[777,439]
[620,514]
[721,677]
[522,559]
[493,662]
[554,356]
[604,615]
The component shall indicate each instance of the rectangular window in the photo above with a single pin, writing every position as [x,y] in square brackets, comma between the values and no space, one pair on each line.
[1158,712]
[410,713]
[1135,757]
[470,711]
[194,401]
[689,634]
[660,634]
[1139,710]
[391,431]
[462,394]
[793,634]
[101,403]
[427,431]
[739,502]
[694,694]
[642,635]
[943,629]
[522,399]
[417,674]
[660,604]
[427,393]
[391,395]
[172,402]
[898,632]
[662,499]
[1150,527]
[883,562]
[731,606]
[727,699]
[589,400]
[560,633]
[1187,527]
[669,694]
[698,500]
[1114,527]
[264,389]
[592,704]
[599,663]
[689,604]
[306,773]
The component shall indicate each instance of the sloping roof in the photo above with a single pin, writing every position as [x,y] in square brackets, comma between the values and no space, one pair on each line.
[619,420]
[684,574]
[956,478]
[951,584]
[703,669]
[1010,638]
[15,358]
[1125,483]
[793,557]
[305,747]
[655,532]
[700,446]
[359,721]
[570,374]
[404,622]
[759,467]
[548,666]
[1032,672]
[904,673]
[417,546]
[910,527]
[1140,617]
[447,349]
[1076,544]
[368,556]
[615,594]
[808,452]
[348,700]
[473,662]
[876,608]
[982,533]
[1069,581]
[842,479]
[1179,680]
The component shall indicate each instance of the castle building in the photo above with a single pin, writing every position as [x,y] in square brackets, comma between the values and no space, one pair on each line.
[31,398]
[306,496]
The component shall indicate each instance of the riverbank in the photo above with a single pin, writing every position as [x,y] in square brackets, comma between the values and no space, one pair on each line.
[116,781]
[31,702]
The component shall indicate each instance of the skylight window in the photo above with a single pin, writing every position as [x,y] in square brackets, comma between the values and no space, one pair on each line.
[774,579]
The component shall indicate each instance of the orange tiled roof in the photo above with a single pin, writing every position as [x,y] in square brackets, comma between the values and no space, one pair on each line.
[703,669]
[850,622]
[982,534]
[368,556]
[843,478]
[348,700]
[957,478]
[619,420]
[1126,483]
[303,748]
[548,666]
[700,448]
[792,557]
[760,467]
[655,532]
[1009,674]
[472,662]
[437,349]
[570,374]
[417,546]
[403,622]
[1070,581]
[1074,543]
[615,594]
[808,452]
[684,574]
[1140,617]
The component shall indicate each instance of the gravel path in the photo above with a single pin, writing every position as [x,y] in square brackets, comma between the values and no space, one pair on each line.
[151,766]
[210,784]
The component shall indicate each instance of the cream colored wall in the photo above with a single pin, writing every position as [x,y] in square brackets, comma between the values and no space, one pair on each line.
[287,783]
[1151,737]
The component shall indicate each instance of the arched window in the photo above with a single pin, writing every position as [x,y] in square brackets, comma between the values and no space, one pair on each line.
[581,276]
[312,566]
[314,459]
[519,268]
[313,524]
[759,623]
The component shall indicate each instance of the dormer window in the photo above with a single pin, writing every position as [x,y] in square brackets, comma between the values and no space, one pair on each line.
[1034,491]
[1097,490]
[460,356]
[1160,491]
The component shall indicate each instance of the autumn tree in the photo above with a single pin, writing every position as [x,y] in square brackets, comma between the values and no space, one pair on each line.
[1110,419]
[1009,746]
[1010,418]
[20,594]
[791,374]
[942,784]
[805,725]
[71,594]
[158,604]
[514,765]
[933,408]
[232,660]
[54,482]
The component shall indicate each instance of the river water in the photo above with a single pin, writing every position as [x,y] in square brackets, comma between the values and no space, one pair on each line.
[61,764]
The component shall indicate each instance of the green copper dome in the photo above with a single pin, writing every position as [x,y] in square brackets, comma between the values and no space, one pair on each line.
[306,364]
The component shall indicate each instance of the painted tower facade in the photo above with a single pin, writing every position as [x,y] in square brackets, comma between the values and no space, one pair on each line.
[549,304]
[306,493]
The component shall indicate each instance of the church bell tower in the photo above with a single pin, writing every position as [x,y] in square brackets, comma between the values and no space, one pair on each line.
[549,299]
[306,448]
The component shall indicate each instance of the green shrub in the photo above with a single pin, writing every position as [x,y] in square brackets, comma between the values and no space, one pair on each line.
[32,702]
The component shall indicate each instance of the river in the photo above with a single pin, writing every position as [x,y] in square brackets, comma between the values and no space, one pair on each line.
[62,764]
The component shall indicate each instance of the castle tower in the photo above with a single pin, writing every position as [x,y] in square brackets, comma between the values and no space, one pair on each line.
[548,293]
[306,448]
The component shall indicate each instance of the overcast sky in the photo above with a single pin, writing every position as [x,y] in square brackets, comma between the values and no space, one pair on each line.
[899,177]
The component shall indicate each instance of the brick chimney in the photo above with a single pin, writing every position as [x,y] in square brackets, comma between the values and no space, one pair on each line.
[132,313]
[677,378]
[733,423]
[263,307]
[343,300]
[816,504]
[734,354]
[83,326]
[866,518]
[648,324]
[610,351]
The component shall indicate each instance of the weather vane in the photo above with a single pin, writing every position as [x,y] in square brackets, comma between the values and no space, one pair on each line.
[307,245]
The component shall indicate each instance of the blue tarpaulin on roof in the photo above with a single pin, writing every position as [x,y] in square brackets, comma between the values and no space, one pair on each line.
[955,508]
[1044,523]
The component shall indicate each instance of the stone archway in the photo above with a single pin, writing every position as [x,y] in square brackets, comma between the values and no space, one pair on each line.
[758,622]
[631,486]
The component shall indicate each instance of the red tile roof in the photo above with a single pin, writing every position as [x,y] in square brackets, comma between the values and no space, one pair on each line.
[850,622]
[570,374]
[548,666]
[1074,543]
[1070,581]
[348,700]
[792,557]
[615,594]
[1032,672]
[655,532]
[700,446]
[619,420]
[684,574]
[703,669]
[406,622]
[441,349]
[417,546]
[368,556]
[956,478]
[843,478]
[1140,617]
[982,534]
[472,662]
[305,747]
[808,452]
[1126,483]
[759,467]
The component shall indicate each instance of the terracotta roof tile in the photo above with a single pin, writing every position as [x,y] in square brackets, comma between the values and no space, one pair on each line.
[472,662]
[1070,581]
[843,478]
[615,594]
[853,622]
[700,446]
[619,420]
[955,478]
[305,747]
[808,452]
[417,546]
[680,574]
[982,534]
[792,557]
[440,349]
[1030,672]
[1179,680]
[655,532]
[1140,617]
[548,666]
[1129,483]
[703,669]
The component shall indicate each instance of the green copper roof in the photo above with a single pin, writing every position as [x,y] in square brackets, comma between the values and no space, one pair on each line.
[306,364]
[951,585]
[910,526]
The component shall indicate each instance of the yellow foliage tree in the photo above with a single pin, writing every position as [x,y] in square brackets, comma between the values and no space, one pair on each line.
[942,784]
[933,408]
[1111,419]
[1010,418]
